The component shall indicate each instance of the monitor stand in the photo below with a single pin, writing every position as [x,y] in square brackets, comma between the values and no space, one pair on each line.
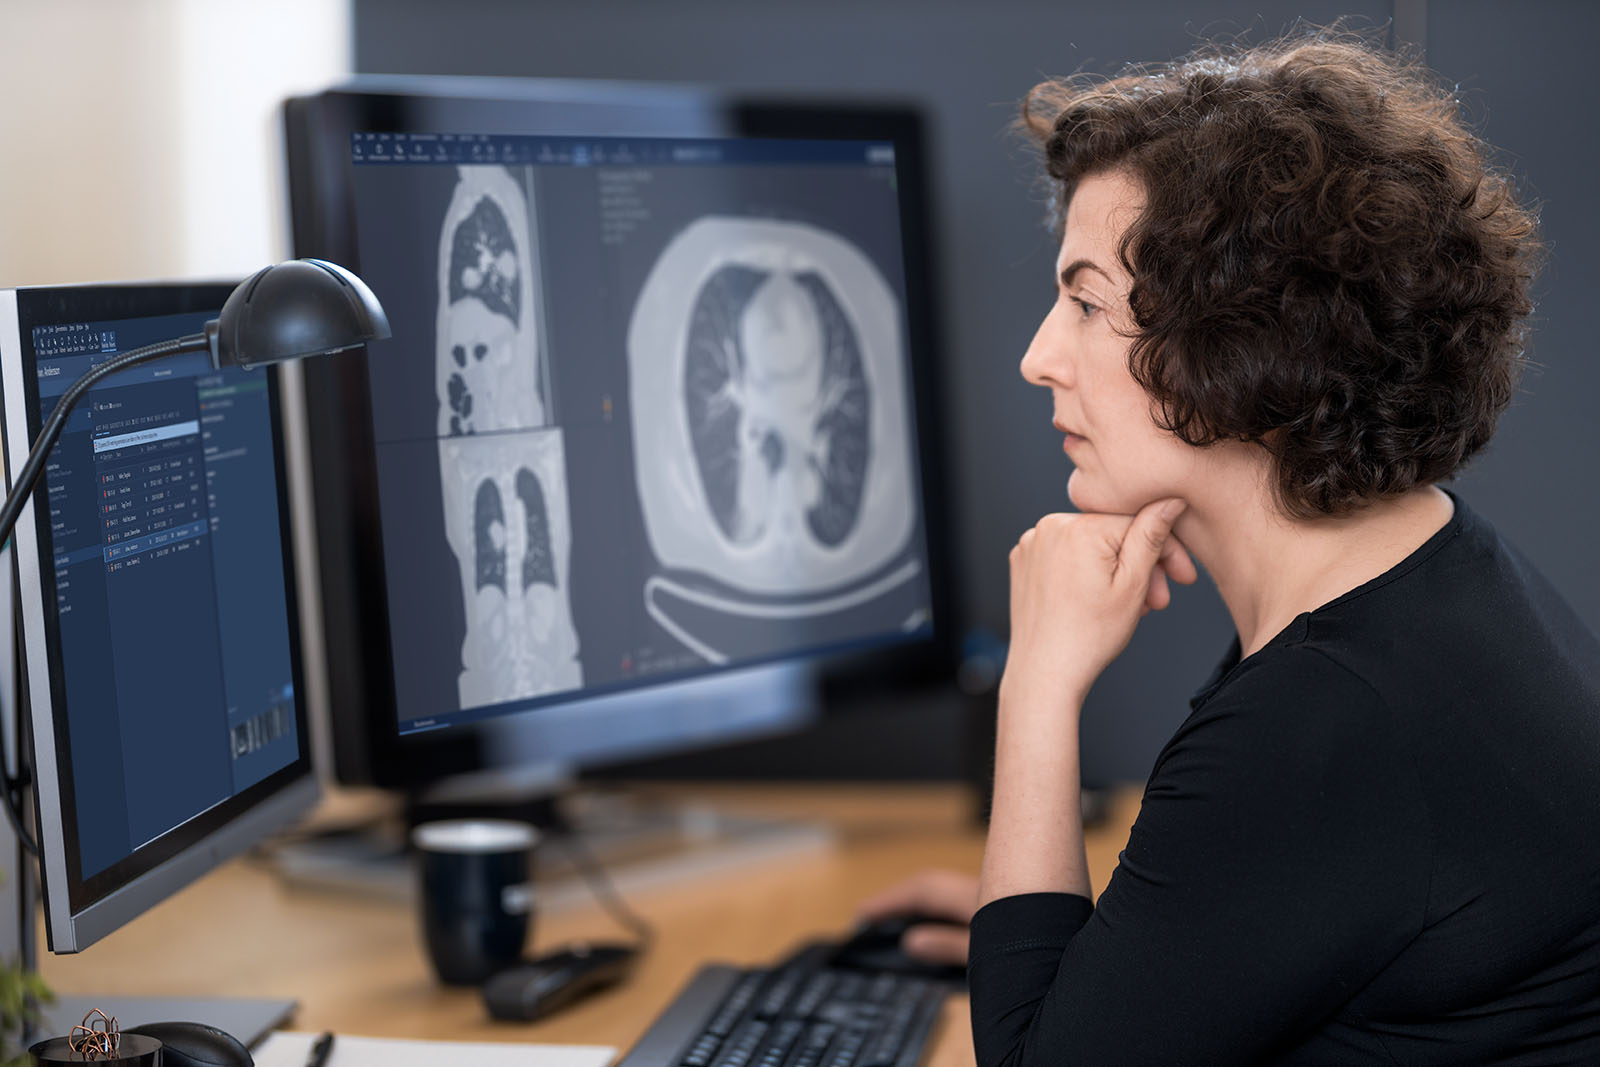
[640,840]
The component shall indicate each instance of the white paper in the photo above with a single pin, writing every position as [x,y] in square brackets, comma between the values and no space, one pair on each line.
[288,1049]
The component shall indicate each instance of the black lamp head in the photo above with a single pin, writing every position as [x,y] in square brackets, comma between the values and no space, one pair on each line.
[304,307]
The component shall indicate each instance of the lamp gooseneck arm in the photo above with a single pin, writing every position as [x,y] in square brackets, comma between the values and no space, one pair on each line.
[23,484]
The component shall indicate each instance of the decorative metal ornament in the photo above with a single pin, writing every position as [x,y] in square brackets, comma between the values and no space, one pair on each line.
[97,1037]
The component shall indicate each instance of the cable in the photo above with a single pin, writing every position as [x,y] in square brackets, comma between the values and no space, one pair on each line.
[13,786]
[13,804]
[604,891]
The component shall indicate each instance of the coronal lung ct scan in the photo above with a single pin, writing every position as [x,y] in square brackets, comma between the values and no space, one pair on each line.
[638,417]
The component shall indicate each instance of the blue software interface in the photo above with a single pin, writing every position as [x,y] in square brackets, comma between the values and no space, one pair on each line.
[647,411]
[170,612]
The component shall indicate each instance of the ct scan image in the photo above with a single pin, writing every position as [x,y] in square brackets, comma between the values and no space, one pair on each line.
[507,522]
[770,425]
[489,363]
[501,470]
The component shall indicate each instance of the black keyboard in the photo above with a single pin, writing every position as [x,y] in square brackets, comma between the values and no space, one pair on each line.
[803,1013]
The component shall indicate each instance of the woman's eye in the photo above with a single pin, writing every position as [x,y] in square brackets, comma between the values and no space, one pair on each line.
[1084,307]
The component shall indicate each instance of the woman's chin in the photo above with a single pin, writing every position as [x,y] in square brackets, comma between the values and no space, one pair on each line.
[1086,496]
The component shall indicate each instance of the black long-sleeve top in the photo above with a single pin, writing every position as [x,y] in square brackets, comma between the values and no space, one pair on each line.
[1375,840]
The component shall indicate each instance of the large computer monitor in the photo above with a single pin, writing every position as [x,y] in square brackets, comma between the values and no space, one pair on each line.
[654,442]
[162,664]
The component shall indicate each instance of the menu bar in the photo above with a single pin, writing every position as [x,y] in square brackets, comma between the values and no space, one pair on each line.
[456,148]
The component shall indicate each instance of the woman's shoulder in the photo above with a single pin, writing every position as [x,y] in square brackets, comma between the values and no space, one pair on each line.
[1290,703]
[1293,743]
[1467,621]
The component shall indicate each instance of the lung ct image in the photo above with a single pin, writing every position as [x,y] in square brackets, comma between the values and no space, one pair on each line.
[502,466]
[777,403]
[783,346]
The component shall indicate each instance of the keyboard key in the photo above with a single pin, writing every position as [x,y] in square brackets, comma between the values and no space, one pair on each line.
[738,1001]
[815,992]
[816,1042]
[741,1047]
[700,1053]
[848,1049]
[850,1013]
[782,1040]
[882,988]
[780,993]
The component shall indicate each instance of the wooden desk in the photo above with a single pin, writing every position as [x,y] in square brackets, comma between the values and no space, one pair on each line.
[356,965]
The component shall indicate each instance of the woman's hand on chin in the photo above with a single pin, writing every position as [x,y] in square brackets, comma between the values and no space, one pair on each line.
[1079,585]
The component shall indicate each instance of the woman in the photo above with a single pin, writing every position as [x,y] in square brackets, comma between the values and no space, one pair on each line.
[1289,302]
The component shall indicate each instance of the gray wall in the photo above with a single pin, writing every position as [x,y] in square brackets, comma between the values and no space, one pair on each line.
[968,64]
[1529,81]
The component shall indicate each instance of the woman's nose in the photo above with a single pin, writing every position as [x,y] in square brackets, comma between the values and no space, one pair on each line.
[1042,363]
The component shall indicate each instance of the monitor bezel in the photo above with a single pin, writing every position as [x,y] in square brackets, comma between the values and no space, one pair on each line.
[81,910]
[367,746]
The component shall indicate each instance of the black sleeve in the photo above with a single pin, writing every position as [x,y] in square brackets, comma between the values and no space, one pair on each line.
[1279,861]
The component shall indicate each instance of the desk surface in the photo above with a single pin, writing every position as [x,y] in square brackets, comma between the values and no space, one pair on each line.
[356,964]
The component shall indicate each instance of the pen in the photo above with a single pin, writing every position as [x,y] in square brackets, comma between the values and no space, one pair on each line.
[320,1049]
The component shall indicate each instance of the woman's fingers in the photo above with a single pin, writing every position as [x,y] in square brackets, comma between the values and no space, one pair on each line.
[1178,564]
[1145,546]
[947,894]
[1079,585]
[1158,596]
[937,943]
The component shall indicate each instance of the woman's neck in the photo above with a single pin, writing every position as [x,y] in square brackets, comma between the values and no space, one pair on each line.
[1270,568]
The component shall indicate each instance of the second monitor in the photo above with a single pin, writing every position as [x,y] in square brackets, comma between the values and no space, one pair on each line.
[651,440]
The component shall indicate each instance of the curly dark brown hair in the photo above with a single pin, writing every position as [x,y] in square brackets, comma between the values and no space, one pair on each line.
[1326,263]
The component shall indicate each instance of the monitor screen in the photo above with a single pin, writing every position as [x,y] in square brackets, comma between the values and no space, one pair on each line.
[649,418]
[161,633]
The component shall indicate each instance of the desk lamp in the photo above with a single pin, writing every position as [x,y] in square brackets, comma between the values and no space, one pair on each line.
[305,307]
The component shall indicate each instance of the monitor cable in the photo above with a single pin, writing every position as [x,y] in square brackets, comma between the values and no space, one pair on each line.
[604,891]
[13,805]
[14,785]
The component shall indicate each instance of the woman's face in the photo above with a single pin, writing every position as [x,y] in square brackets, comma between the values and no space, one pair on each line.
[1121,459]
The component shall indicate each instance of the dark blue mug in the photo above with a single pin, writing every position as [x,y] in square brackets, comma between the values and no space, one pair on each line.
[475,894]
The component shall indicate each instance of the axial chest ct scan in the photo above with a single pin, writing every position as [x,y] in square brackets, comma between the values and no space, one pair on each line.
[770,414]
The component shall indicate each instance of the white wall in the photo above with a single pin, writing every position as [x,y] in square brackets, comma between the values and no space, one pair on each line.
[139,138]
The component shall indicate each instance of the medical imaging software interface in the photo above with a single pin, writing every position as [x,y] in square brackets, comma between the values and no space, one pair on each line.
[646,412]
[169,619]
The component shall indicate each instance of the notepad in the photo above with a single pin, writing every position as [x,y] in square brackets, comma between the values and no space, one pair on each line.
[289,1049]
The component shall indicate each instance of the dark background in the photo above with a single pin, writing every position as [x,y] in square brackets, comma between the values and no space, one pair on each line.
[1523,76]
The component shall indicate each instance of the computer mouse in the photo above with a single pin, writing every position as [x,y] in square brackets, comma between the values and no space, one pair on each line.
[535,988]
[195,1045]
[875,946]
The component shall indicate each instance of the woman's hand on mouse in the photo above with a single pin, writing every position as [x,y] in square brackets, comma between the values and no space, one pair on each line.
[1079,585]
[944,894]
